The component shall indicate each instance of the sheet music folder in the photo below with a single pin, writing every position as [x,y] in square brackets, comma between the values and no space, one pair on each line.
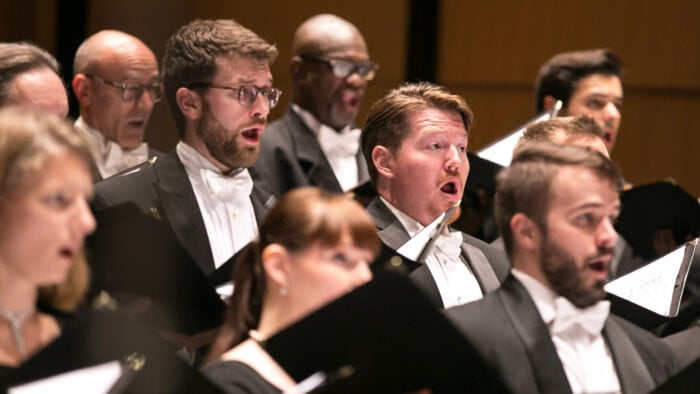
[101,336]
[651,294]
[389,337]
[654,206]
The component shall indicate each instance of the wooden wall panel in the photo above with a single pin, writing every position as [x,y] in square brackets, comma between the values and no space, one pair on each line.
[490,53]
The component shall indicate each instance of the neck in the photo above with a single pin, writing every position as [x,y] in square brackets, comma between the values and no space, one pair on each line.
[16,294]
[275,316]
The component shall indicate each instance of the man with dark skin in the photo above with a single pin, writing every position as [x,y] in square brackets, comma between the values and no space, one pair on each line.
[315,142]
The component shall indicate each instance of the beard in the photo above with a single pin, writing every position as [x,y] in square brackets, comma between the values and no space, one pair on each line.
[567,279]
[223,148]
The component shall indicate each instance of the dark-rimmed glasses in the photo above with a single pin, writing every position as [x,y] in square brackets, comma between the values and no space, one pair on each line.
[247,94]
[342,68]
[133,91]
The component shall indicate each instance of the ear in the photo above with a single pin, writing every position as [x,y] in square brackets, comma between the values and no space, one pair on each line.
[81,88]
[526,233]
[383,161]
[299,71]
[190,103]
[548,102]
[276,262]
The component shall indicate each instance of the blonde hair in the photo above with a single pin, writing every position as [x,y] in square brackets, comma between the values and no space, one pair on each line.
[28,139]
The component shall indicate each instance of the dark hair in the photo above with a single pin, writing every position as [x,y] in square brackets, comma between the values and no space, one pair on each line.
[388,119]
[19,57]
[524,187]
[191,54]
[303,217]
[559,76]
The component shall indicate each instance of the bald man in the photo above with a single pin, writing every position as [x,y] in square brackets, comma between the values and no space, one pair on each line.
[30,76]
[315,142]
[117,84]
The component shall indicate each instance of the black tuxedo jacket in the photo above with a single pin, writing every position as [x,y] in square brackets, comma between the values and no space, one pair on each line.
[162,189]
[489,264]
[505,326]
[290,157]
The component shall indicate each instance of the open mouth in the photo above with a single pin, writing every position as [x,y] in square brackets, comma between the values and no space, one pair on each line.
[66,253]
[450,188]
[251,135]
[137,123]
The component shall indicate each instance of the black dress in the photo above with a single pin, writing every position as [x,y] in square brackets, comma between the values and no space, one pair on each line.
[237,377]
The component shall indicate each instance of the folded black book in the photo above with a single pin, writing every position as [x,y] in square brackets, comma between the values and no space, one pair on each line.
[384,337]
[102,336]
[659,205]
[137,259]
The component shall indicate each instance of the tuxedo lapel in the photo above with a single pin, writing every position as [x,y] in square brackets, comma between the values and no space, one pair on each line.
[480,267]
[180,209]
[631,371]
[523,315]
[310,155]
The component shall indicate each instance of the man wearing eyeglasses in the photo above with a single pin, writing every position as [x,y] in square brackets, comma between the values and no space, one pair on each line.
[217,82]
[117,84]
[315,142]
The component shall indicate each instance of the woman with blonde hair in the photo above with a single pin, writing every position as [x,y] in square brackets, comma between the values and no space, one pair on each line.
[45,184]
[314,246]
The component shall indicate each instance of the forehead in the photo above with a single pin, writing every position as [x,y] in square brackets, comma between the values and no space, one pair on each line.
[603,84]
[430,120]
[239,69]
[40,88]
[128,59]
[578,186]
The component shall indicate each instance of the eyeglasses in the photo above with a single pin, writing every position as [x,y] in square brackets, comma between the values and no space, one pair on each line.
[247,95]
[343,68]
[134,91]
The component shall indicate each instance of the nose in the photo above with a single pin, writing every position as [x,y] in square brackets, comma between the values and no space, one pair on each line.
[611,112]
[146,100]
[355,79]
[260,108]
[362,274]
[607,235]
[454,159]
[84,222]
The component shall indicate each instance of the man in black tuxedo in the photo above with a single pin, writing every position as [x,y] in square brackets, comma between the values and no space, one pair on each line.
[316,142]
[547,329]
[217,80]
[415,143]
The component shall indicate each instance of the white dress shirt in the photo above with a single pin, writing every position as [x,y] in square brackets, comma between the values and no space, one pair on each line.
[339,147]
[585,356]
[453,277]
[109,156]
[224,201]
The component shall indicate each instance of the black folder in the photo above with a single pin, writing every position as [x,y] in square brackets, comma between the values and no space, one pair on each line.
[102,336]
[385,337]
[659,205]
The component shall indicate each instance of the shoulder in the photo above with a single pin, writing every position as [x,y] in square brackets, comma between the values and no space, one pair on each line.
[497,257]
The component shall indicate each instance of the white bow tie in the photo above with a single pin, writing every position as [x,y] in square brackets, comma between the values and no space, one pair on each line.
[228,188]
[450,244]
[345,143]
[572,320]
[116,159]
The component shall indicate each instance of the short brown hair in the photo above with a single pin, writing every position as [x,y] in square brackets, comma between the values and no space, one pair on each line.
[191,54]
[28,138]
[524,187]
[387,120]
[572,125]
